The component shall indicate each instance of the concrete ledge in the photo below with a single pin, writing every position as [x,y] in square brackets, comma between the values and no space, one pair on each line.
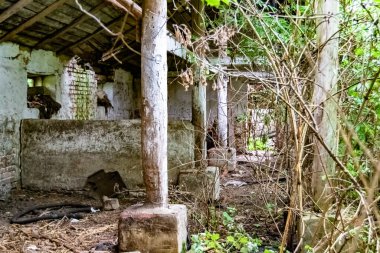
[153,230]
[68,151]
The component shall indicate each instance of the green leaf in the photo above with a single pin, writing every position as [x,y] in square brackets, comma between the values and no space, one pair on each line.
[215,237]
[230,239]
[213,3]
[359,51]
[243,240]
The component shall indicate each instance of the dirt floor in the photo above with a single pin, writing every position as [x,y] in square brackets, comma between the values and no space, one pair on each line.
[257,192]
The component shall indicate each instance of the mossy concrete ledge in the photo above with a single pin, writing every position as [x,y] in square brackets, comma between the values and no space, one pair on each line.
[153,230]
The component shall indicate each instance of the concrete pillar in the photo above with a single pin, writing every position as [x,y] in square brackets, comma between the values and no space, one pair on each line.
[199,117]
[154,226]
[222,82]
[154,93]
[326,106]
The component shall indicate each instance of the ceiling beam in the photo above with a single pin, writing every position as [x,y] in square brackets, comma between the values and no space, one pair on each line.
[13,9]
[129,6]
[73,24]
[135,10]
[33,20]
[97,31]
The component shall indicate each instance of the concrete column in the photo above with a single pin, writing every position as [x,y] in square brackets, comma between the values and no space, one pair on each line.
[231,120]
[222,82]
[155,226]
[199,121]
[199,117]
[326,106]
[154,93]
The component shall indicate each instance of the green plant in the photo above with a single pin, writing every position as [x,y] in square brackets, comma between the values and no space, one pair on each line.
[258,144]
[233,239]
[308,248]
[242,118]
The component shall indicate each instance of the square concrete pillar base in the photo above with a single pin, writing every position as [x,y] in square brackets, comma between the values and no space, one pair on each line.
[153,230]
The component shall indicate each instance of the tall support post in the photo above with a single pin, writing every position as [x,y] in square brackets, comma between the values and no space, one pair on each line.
[325,113]
[154,226]
[222,82]
[154,92]
[198,107]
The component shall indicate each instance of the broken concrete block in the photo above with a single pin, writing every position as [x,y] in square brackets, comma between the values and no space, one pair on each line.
[204,184]
[212,181]
[110,203]
[153,230]
[316,228]
[224,158]
[189,180]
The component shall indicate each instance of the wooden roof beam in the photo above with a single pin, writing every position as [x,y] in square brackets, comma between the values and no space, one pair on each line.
[73,24]
[33,20]
[129,6]
[99,30]
[13,9]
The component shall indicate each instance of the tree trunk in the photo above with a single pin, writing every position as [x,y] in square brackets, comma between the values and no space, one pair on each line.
[222,109]
[325,112]
[154,92]
[199,118]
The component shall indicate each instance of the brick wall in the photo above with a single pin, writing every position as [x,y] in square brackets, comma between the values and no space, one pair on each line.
[79,88]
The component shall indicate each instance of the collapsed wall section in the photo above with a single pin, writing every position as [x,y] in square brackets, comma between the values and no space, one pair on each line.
[61,154]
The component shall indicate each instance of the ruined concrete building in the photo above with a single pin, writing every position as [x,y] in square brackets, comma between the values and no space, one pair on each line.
[70,95]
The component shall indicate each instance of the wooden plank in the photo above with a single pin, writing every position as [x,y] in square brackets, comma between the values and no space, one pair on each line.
[33,20]
[13,9]
[73,24]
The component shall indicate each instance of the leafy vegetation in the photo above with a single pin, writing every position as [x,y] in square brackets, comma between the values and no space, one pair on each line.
[281,39]
[231,238]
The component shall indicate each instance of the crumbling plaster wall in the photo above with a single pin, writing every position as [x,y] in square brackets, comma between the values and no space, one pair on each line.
[15,64]
[77,91]
[122,96]
[237,99]
[179,100]
[62,154]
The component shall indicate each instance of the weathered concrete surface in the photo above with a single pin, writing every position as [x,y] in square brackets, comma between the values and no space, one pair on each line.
[315,231]
[12,103]
[61,154]
[110,203]
[122,96]
[224,158]
[213,183]
[15,65]
[153,230]
[203,184]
